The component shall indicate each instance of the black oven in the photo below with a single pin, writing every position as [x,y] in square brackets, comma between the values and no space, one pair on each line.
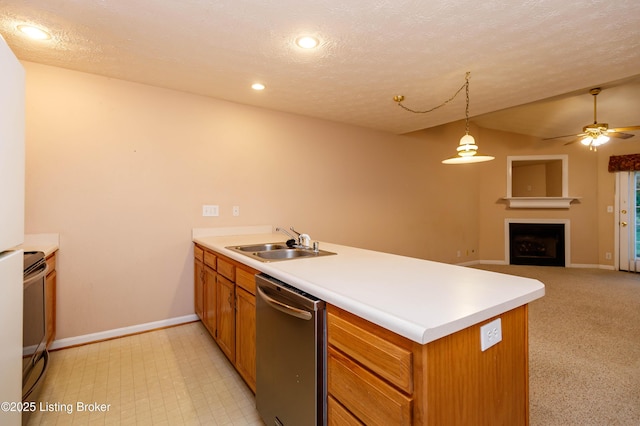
[35,357]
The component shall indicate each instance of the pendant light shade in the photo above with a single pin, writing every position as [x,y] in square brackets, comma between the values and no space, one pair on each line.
[467,152]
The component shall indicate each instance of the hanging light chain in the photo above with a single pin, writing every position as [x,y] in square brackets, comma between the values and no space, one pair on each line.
[400,98]
[466,111]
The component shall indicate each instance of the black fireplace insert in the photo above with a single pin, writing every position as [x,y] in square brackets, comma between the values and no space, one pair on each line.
[539,244]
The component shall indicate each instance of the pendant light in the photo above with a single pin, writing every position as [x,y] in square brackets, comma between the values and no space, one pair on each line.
[467,149]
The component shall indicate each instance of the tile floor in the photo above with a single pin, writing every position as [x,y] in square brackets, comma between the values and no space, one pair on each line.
[174,376]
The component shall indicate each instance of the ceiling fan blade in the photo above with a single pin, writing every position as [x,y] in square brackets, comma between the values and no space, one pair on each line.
[625,129]
[574,141]
[560,137]
[619,135]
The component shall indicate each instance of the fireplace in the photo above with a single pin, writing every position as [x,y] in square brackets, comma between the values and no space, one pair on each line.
[541,244]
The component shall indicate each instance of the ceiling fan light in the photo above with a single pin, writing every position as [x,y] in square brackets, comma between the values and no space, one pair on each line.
[586,141]
[602,139]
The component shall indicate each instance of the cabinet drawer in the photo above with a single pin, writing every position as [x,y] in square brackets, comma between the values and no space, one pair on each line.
[384,358]
[337,415]
[246,280]
[226,269]
[51,263]
[198,253]
[210,259]
[365,395]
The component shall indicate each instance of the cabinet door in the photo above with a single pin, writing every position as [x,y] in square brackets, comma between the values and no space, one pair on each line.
[198,289]
[226,328]
[210,300]
[246,336]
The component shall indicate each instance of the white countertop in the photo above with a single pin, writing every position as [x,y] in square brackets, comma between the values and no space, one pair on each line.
[418,299]
[47,243]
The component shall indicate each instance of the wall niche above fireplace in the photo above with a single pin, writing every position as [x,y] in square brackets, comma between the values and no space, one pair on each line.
[538,181]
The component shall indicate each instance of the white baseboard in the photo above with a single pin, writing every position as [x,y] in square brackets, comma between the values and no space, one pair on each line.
[572,265]
[594,266]
[120,332]
[493,262]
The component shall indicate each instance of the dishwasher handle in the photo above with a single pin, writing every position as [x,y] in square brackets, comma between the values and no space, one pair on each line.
[283,307]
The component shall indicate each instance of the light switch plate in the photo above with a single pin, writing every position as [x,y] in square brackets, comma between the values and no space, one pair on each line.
[490,334]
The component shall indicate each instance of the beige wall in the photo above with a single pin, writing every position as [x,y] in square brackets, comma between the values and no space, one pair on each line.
[592,227]
[121,171]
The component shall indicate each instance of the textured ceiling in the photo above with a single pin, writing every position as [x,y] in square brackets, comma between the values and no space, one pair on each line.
[371,50]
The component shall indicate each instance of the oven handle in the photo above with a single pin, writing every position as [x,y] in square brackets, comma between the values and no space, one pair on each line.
[45,356]
[283,307]
[38,276]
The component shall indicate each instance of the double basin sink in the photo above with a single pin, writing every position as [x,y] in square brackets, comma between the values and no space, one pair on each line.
[271,252]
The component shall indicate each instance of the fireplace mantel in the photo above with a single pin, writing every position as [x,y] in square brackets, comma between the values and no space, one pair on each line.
[540,202]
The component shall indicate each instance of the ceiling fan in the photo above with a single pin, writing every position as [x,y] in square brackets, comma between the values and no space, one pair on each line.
[596,134]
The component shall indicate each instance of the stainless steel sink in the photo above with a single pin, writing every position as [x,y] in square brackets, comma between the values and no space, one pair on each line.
[290,253]
[261,247]
[273,252]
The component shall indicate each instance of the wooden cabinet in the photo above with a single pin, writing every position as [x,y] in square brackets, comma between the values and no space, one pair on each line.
[50,299]
[209,300]
[369,371]
[228,308]
[246,336]
[198,281]
[226,330]
[376,377]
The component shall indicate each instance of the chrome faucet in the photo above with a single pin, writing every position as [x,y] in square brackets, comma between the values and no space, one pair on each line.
[284,231]
[301,240]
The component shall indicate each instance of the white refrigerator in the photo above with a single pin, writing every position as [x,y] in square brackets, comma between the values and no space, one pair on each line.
[12,166]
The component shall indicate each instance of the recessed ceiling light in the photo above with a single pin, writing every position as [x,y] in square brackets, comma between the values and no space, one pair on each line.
[307,42]
[257,86]
[34,32]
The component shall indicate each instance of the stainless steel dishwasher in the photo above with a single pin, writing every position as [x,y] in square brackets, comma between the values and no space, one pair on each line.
[290,355]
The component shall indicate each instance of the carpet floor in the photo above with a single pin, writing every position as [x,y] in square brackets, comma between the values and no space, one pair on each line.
[584,346]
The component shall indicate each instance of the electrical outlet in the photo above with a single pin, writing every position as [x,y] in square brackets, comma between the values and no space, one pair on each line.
[209,210]
[607,256]
[490,334]
[458,254]
[236,210]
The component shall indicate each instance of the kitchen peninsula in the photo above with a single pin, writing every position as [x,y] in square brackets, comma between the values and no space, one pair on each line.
[404,338]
